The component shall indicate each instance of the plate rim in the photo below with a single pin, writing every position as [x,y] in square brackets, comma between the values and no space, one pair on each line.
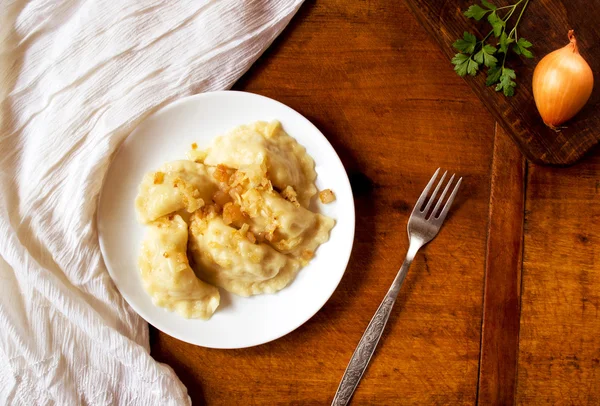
[175,104]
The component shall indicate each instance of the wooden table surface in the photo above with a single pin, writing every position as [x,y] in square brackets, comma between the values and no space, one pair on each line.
[501,308]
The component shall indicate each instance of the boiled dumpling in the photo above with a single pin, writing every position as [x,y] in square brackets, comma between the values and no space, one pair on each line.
[249,231]
[166,273]
[287,227]
[224,256]
[264,150]
[177,185]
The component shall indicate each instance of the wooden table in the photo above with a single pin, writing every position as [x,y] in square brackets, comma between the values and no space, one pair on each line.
[503,306]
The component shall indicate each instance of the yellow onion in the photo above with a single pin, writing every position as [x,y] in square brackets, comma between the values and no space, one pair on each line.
[562,84]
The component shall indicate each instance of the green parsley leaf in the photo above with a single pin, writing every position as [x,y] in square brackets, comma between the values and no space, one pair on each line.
[464,64]
[497,23]
[493,75]
[476,12]
[521,46]
[477,54]
[507,84]
[505,42]
[524,43]
[486,56]
[466,44]
[488,5]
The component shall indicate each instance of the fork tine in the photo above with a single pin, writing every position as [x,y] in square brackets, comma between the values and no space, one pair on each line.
[441,199]
[444,212]
[425,191]
[432,198]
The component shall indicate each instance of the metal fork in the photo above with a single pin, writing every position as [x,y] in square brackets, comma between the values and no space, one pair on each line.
[423,226]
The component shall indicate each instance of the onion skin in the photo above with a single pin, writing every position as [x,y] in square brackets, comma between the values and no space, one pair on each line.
[562,84]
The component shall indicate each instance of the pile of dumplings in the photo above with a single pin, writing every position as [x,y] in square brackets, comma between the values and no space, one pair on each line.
[233,216]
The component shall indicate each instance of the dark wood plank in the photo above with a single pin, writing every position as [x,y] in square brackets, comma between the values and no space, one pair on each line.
[545,23]
[559,350]
[393,119]
[501,303]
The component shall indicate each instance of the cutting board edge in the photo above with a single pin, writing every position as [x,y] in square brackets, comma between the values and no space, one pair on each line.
[432,32]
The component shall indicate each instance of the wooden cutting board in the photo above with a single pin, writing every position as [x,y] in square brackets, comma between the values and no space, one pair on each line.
[545,23]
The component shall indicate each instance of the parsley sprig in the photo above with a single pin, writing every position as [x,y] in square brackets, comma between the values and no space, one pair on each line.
[473,53]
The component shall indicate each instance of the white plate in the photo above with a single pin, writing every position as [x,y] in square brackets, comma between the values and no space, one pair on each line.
[166,136]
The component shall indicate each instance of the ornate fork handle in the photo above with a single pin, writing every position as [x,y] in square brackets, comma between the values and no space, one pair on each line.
[367,344]
[423,226]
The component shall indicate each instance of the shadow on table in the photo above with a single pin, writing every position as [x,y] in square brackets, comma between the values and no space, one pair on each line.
[183,371]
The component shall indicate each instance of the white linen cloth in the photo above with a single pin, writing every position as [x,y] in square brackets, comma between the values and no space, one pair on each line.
[76,76]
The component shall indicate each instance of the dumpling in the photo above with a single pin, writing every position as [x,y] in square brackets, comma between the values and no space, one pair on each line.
[177,185]
[166,273]
[224,256]
[288,228]
[265,150]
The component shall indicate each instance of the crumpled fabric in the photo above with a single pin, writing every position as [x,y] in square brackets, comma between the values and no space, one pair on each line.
[76,76]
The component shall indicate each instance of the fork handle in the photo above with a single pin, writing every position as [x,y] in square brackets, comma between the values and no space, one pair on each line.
[366,346]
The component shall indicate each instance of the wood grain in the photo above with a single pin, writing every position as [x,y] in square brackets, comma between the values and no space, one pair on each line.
[393,119]
[559,351]
[350,68]
[500,326]
[545,24]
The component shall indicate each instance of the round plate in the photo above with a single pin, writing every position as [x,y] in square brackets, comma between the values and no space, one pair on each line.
[166,136]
